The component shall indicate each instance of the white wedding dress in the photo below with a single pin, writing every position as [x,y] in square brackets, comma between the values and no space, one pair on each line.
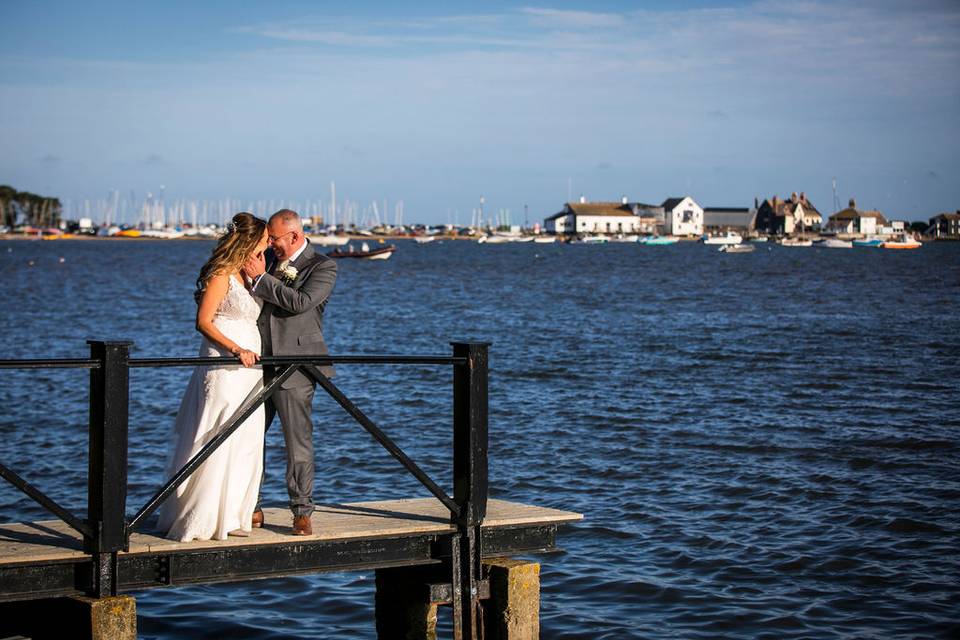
[221,494]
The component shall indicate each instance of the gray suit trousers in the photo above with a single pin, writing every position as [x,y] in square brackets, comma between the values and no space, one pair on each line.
[294,406]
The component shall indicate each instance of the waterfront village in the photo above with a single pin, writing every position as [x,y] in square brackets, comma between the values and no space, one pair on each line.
[792,220]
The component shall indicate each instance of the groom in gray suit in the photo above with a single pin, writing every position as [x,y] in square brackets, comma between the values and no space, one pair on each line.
[294,282]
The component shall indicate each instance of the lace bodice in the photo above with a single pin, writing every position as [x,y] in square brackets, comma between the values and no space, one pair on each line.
[236,317]
[238,304]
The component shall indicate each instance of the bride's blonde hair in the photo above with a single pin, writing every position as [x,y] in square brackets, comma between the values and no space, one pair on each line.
[233,248]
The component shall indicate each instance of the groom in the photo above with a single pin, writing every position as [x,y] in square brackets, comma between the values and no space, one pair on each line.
[294,282]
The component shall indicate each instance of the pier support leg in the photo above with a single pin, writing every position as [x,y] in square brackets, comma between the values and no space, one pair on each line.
[110,618]
[513,610]
[403,607]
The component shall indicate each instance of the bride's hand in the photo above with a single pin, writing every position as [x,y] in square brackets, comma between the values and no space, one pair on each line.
[248,358]
[255,265]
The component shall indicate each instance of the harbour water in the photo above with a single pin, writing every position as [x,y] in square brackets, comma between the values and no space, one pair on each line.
[764,445]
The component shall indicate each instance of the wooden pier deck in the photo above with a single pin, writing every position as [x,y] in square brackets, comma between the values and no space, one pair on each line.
[46,559]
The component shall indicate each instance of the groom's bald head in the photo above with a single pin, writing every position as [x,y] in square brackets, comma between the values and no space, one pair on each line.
[285,232]
[288,218]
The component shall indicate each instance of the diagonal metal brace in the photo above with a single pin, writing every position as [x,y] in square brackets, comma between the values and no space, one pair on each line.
[45,501]
[244,412]
[382,438]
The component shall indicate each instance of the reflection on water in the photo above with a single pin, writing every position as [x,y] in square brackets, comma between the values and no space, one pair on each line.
[764,445]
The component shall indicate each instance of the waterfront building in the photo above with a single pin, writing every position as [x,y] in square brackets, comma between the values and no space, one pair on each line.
[682,217]
[739,219]
[602,217]
[853,221]
[945,225]
[784,217]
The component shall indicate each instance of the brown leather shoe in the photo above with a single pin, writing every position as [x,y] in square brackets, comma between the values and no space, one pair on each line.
[302,526]
[257,521]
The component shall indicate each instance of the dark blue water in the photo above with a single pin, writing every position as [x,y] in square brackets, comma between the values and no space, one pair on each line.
[765,445]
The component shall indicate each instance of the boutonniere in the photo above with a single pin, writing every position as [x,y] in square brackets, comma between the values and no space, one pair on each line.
[289,274]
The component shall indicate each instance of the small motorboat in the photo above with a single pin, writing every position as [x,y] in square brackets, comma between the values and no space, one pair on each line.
[424,239]
[493,239]
[903,241]
[730,237]
[365,252]
[328,240]
[868,242]
[544,239]
[835,243]
[736,248]
[597,239]
[657,240]
[796,242]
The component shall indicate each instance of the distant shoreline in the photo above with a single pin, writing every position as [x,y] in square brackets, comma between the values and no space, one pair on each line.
[21,236]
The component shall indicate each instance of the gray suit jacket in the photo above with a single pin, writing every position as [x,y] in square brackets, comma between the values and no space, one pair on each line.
[291,321]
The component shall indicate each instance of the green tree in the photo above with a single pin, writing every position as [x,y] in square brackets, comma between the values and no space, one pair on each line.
[29,208]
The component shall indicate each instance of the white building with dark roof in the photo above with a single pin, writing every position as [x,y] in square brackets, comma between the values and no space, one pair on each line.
[682,217]
[856,222]
[602,217]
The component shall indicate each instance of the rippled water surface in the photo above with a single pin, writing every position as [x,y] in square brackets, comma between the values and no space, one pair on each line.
[764,445]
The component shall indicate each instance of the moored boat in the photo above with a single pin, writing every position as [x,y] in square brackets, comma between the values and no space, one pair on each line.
[365,252]
[868,242]
[730,237]
[544,239]
[736,248]
[796,242]
[657,240]
[903,241]
[835,243]
[592,240]
[328,240]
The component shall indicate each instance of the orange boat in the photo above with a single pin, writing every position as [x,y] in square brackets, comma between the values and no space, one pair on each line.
[903,242]
[128,233]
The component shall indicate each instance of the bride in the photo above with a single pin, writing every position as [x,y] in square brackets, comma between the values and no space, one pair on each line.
[219,498]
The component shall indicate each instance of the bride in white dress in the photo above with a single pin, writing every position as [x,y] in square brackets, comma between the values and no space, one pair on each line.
[219,498]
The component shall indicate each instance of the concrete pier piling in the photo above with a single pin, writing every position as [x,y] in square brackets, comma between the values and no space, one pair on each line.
[109,618]
[513,610]
[407,600]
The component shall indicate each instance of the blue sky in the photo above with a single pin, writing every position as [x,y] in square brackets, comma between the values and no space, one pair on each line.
[438,103]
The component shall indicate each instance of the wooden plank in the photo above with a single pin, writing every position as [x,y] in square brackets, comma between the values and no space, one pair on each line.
[53,541]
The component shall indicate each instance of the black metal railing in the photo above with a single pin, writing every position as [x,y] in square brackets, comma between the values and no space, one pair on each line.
[106,529]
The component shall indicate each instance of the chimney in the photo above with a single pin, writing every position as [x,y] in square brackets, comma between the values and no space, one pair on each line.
[623,200]
[583,199]
[793,197]
[756,203]
[803,197]
[853,203]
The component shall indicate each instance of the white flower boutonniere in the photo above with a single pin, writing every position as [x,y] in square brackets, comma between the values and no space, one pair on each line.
[289,274]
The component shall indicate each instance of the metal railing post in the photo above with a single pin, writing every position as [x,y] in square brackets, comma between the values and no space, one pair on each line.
[107,480]
[470,483]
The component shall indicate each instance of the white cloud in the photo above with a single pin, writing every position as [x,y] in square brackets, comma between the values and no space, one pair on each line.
[573,19]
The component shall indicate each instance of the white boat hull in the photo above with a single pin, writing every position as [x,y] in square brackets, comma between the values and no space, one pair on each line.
[729,238]
[329,241]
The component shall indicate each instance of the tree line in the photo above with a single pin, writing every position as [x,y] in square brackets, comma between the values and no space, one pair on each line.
[23,207]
